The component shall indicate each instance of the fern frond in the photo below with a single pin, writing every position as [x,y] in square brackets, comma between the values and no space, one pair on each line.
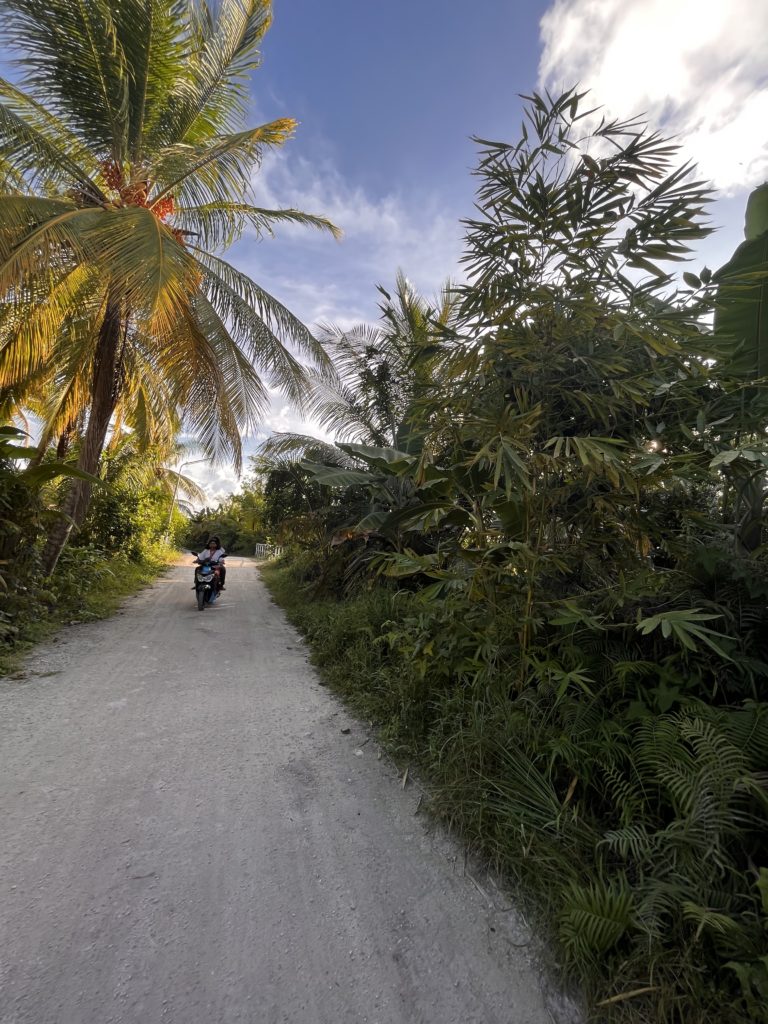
[595,917]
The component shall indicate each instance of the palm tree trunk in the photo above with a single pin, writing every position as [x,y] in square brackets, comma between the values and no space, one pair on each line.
[748,513]
[65,440]
[103,400]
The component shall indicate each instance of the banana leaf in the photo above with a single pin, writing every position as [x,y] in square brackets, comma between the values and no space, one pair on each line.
[741,314]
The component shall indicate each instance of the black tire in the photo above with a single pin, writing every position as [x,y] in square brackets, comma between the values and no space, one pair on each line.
[200,599]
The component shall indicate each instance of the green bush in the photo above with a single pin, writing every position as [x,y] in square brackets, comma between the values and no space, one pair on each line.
[239,522]
[89,583]
[640,833]
[126,520]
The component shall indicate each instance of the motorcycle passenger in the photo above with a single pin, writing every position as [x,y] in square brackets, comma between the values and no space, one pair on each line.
[215,552]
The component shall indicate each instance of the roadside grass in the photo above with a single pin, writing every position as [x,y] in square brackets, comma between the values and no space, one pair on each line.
[346,646]
[614,905]
[88,585]
[352,646]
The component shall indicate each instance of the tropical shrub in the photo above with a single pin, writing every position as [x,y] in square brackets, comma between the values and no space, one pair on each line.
[579,663]
[239,521]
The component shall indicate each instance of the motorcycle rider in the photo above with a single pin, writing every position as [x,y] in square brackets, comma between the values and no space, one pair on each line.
[214,552]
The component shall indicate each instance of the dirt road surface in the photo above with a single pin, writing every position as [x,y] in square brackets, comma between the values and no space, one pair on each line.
[188,837]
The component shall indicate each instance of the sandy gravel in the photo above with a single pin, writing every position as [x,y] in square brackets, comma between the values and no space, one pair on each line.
[189,838]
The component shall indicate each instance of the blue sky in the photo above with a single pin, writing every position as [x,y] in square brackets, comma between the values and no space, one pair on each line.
[395,96]
[388,96]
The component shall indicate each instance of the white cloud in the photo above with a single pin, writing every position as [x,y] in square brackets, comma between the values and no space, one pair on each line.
[316,302]
[322,281]
[698,69]
[285,418]
[219,481]
[381,234]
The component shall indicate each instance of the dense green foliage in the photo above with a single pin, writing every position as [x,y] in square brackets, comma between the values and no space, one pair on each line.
[550,591]
[89,583]
[613,823]
[122,543]
[239,521]
[369,394]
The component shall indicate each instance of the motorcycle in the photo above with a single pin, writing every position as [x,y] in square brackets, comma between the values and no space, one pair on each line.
[207,581]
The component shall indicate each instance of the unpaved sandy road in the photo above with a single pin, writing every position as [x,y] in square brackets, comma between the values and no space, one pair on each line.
[188,838]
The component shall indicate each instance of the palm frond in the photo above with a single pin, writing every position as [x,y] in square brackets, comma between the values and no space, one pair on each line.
[69,388]
[200,173]
[187,487]
[187,359]
[152,35]
[295,447]
[262,326]
[30,335]
[150,271]
[222,47]
[339,407]
[218,224]
[147,404]
[38,149]
[247,394]
[42,253]
[72,58]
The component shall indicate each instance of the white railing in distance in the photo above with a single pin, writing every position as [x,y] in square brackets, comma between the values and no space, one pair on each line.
[267,551]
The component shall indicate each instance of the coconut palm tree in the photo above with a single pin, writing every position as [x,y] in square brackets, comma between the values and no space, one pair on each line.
[377,379]
[124,173]
[374,397]
[131,463]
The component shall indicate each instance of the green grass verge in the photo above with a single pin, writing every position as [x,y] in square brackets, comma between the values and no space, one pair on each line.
[624,921]
[347,648]
[351,644]
[88,585]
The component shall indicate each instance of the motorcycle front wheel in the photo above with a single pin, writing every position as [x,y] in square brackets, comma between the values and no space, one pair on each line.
[200,599]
